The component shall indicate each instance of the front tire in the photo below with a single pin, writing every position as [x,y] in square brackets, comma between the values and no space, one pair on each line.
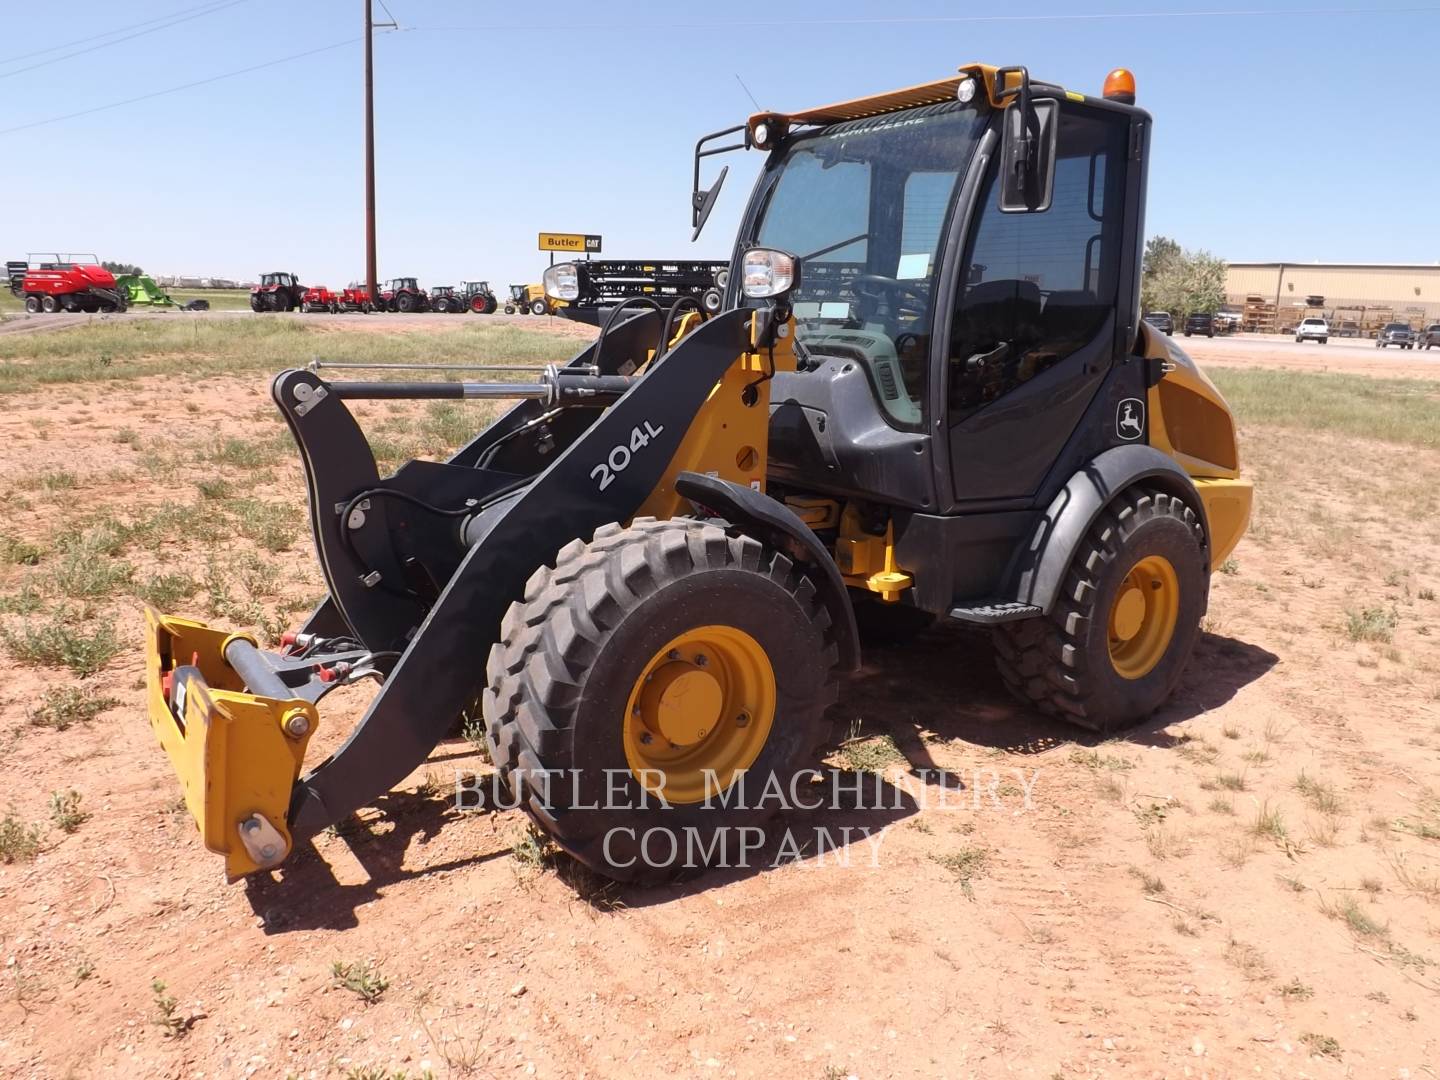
[1119,634]
[49,305]
[648,655]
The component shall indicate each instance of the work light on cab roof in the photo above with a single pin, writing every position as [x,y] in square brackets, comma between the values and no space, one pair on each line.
[1120,86]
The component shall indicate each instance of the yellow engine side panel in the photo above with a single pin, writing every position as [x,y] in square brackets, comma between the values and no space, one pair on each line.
[1190,421]
[727,437]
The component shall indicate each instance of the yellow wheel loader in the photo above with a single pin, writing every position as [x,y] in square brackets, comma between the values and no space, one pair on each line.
[928,394]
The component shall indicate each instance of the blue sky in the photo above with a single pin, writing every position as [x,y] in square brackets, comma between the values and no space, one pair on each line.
[1298,136]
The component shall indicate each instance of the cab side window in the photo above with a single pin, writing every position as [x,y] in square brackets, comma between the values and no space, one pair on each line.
[1036,287]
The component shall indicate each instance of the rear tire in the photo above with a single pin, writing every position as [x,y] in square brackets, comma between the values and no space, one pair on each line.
[539,307]
[1068,663]
[32,305]
[405,303]
[585,642]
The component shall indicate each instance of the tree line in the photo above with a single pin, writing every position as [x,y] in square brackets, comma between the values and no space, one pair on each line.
[1180,281]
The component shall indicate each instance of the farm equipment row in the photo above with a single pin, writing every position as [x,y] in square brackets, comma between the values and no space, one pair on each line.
[281,291]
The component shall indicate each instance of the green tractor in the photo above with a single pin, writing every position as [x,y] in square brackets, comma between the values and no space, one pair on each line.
[479,297]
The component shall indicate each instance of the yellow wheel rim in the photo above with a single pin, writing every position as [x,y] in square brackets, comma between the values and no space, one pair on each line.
[700,712]
[1143,617]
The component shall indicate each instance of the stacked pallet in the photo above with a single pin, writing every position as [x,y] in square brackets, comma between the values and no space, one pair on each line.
[1258,315]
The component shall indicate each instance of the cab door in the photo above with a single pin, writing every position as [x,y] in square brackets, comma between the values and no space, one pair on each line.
[1033,312]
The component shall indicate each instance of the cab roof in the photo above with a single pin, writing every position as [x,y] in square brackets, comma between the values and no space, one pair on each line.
[909,97]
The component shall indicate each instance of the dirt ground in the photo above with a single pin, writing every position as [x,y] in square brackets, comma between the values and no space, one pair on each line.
[1246,884]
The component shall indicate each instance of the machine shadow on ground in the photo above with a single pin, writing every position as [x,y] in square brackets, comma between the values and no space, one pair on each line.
[945,675]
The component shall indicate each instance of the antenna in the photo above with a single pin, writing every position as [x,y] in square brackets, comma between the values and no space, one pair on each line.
[758,107]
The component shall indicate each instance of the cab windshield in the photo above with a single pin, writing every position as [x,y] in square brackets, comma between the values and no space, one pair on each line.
[864,205]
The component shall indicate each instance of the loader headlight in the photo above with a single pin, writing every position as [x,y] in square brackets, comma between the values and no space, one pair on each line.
[965,91]
[767,273]
[562,282]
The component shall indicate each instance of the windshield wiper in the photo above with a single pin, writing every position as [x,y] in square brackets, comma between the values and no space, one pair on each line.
[834,247]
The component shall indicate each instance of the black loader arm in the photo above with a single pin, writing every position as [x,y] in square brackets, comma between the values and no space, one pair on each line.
[772,522]
[441,669]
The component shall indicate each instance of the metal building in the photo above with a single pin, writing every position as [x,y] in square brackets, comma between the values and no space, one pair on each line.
[1355,297]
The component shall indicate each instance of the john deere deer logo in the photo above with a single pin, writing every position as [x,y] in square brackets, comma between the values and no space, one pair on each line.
[1130,419]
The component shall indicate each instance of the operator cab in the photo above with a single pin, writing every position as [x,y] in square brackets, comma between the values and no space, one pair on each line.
[937,316]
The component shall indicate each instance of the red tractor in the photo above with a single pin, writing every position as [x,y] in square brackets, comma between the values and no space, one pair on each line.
[356,298]
[51,281]
[319,298]
[277,292]
[404,295]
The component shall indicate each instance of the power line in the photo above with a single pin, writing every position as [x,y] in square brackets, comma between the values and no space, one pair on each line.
[1236,13]
[107,33]
[118,40]
[183,86]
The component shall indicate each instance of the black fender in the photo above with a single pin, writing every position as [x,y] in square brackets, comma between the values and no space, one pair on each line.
[1046,557]
[757,514]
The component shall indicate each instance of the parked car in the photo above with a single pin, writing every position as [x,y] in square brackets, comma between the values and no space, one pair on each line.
[1430,338]
[1313,329]
[1161,320]
[1396,333]
[1200,324]
[1227,322]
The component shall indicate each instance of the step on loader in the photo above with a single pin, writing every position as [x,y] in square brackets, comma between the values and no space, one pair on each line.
[928,395]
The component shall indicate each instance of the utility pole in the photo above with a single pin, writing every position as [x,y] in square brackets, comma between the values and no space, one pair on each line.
[371,284]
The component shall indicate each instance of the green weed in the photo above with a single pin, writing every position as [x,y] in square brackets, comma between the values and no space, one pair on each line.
[56,642]
[62,707]
[19,842]
[363,980]
[65,810]
[966,865]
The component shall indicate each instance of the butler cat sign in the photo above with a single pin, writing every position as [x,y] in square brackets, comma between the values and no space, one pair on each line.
[575,243]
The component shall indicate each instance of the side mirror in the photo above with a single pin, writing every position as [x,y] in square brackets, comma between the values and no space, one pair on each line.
[1027,158]
[704,202]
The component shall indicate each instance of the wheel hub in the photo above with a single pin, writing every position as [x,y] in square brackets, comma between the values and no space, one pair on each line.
[1143,617]
[699,713]
[1129,613]
[681,702]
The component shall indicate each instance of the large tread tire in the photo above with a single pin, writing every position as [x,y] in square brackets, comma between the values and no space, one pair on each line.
[569,654]
[1060,663]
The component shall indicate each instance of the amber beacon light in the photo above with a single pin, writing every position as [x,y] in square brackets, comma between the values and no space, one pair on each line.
[1120,86]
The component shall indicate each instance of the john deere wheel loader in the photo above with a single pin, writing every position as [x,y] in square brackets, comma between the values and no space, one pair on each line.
[928,391]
